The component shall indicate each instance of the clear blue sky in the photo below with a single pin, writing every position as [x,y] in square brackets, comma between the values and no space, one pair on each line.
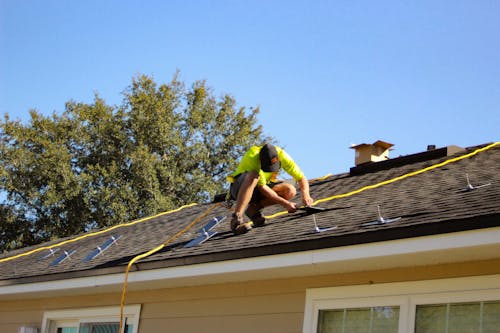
[325,74]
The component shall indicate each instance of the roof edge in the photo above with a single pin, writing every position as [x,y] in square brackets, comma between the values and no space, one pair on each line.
[388,234]
[381,254]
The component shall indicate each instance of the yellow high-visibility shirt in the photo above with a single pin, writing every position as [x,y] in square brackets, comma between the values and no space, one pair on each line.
[251,162]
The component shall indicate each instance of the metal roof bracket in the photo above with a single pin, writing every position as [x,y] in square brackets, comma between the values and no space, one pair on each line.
[318,229]
[470,187]
[381,219]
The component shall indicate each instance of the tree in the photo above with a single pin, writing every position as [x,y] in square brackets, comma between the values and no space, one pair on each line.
[98,165]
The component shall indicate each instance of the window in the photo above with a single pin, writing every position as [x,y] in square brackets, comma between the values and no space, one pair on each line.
[62,329]
[112,327]
[383,319]
[480,317]
[103,328]
[459,305]
[91,320]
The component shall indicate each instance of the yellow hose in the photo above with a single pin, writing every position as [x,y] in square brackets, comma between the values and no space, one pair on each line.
[153,251]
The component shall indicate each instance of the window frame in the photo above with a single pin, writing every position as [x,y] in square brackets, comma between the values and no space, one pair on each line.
[406,295]
[90,315]
[363,302]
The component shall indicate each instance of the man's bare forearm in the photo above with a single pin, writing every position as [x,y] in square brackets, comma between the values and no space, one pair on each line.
[304,189]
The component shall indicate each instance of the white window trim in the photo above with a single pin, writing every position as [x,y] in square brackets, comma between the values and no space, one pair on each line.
[406,295]
[86,315]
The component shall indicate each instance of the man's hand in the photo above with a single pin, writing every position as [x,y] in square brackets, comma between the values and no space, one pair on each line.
[307,200]
[291,207]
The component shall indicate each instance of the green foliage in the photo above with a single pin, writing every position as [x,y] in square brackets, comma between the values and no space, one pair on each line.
[98,165]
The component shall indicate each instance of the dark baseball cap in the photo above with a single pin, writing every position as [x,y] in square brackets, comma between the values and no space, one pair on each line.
[269,161]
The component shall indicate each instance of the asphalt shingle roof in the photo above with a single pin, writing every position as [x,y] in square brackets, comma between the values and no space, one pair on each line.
[428,203]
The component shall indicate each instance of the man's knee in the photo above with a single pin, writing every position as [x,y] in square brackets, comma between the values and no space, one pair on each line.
[287,191]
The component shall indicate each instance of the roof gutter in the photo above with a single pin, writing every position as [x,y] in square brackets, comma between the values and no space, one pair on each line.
[461,246]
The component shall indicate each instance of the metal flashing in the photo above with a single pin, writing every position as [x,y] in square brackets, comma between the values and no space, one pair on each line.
[51,253]
[100,249]
[62,257]
[206,232]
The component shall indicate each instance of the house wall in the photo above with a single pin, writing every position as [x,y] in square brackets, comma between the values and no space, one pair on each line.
[255,306]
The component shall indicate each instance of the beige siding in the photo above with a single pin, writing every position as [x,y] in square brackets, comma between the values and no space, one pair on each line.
[12,319]
[247,313]
[270,306]
[241,323]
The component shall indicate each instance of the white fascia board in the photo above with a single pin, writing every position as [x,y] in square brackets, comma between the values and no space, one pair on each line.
[436,249]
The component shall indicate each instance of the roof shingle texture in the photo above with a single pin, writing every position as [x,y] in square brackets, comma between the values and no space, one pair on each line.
[428,203]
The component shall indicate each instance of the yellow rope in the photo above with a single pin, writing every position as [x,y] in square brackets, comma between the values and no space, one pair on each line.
[410,174]
[94,234]
[153,251]
[322,178]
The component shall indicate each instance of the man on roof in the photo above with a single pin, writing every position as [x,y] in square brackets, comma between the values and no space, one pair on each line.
[254,186]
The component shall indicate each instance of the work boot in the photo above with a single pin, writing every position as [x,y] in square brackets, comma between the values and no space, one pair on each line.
[238,226]
[253,212]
